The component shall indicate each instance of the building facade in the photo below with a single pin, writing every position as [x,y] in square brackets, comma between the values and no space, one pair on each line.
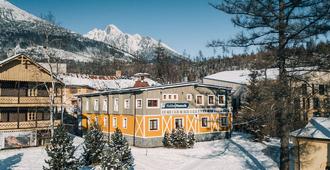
[25,102]
[145,114]
[311,94]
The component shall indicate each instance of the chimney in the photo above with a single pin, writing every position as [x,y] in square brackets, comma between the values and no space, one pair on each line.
[118,73]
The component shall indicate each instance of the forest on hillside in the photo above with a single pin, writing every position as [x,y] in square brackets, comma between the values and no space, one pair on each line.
[170,69]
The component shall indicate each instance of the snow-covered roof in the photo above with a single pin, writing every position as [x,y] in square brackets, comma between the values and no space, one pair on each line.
[239,76]
[155,87]
[242,76]
[101,82]
[317,128]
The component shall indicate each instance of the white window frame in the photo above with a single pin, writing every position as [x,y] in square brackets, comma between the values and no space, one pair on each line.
[116,104]
[114,122]
[189,98]
[182,122]
[105,105]
[224,100]
[152,107]
[157,119]
[172,97]
[105,122]
[87,104]
[207,122]
[96,104]
[127,103]
[197,95]
[125,122]
[138,107]
[208,100]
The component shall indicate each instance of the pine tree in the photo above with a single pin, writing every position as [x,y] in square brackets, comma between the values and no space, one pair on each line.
[191,140]
[61,151]
[93,146]
[179,138]
[167,140]
[118,155]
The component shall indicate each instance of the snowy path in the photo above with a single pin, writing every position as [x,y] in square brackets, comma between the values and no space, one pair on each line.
[233,154]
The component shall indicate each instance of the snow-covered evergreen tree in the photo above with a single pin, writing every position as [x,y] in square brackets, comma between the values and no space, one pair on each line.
[118,155]
[60,151]
[191,140]
[93,146]
[167,140]
[179,138]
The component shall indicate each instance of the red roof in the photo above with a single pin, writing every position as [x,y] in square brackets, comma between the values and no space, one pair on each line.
[139,83]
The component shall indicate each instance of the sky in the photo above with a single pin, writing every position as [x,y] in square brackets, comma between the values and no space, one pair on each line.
[184,25]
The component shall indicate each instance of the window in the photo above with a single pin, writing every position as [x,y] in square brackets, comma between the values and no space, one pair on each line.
[211,100]
[321,89]
[170,97]
[116,104]
[199,99]
[204,122]
[125,123]
[114,122]
[224,121]
[152,103]
[222,100]
[327,103]
[88,121]
[304,89]
[316,103]
[138,103]
[189,97]
[105,105]
[126,104]
[153,124]
[105,120]
[32,116]
[178,123]
[96,105]
[87,104]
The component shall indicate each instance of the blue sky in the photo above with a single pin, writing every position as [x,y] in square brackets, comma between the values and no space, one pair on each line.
[182,24]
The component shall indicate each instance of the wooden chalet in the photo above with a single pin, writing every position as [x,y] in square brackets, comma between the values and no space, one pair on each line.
[25,88]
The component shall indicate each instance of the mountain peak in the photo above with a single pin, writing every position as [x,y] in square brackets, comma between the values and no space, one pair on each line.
[131,43]
[10,12]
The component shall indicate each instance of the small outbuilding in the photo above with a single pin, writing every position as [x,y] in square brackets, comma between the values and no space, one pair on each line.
[312,145]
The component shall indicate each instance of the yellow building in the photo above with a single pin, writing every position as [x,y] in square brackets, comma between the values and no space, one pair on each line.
[312,145]
[25,88]
[145,114]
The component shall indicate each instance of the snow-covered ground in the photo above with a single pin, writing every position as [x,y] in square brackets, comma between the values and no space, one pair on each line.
[235,153]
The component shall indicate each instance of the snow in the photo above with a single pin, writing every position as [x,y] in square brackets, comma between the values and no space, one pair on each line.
[124,41]
[242,76]
[234,154]
[11,12]
[317,128]
[101,82]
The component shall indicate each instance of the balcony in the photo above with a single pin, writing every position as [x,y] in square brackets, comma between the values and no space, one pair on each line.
[41,124]
[6,101]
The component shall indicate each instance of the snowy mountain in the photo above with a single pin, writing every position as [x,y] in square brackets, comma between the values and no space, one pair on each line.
[21,32]
[127,42]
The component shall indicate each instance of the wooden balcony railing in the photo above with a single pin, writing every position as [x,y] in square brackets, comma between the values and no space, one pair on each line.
[27,100]
[27,124]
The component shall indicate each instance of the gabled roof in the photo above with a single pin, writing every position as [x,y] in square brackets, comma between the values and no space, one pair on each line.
[317,128]
[9,59]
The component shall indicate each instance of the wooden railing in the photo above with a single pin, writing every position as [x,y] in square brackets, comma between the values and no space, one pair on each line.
[28,100]
[27,124]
